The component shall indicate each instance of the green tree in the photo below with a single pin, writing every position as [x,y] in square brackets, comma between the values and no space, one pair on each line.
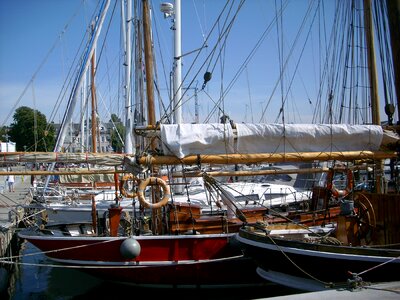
[117,133]
[3,133]
[30,129]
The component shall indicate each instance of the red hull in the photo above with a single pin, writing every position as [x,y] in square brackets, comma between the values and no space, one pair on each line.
[163,260]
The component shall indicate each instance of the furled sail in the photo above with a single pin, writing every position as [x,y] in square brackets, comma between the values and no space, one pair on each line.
[243,143]
[182,140]
[273,138]
[189,139]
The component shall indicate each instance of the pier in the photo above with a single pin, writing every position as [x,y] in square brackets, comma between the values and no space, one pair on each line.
[11,211]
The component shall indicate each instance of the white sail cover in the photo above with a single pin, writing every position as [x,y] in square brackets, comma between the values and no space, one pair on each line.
[266,138]
[190,139]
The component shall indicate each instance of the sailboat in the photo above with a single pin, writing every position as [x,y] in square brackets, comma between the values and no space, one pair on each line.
[156,242]
[162,242]
[361,247]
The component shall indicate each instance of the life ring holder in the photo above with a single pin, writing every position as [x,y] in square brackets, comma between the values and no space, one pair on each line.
[122,182]
[153,181]
[336,192]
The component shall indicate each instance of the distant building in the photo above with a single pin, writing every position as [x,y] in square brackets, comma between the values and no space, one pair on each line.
[7,147]
[76,142]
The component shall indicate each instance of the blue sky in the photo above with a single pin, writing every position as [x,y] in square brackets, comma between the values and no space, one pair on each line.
[40,40]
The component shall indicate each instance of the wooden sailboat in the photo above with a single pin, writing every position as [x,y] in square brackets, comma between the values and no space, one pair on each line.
[155,242]
[161,242]
[361,247]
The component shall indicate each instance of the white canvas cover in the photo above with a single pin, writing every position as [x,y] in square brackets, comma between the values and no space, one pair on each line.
[273,138]
[190,139]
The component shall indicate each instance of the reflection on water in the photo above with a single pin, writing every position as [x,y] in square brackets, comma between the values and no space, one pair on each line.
[39,280]
[36,280]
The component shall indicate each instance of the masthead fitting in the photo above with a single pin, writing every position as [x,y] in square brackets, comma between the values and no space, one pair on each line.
[167,9]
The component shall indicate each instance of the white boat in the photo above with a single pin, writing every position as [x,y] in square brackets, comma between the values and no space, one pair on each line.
[269,195]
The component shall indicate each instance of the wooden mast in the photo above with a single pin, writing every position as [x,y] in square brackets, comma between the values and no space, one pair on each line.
[373,78]
[148,56]
[369,36]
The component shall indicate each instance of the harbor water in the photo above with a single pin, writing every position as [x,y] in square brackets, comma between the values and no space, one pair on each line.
[37,277]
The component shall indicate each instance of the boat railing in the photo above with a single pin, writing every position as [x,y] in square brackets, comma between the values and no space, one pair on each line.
[283,196]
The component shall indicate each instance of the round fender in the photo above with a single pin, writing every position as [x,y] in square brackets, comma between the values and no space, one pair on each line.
[158,181]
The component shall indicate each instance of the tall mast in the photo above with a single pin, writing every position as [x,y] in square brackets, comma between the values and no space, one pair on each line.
[369,35]
[178,82]
[83,68]
[177,64]
[138,113]
[94,108]
[151,115]
[176,102]
[128,101]
[148,54]
[79,81]
[393,8]
[83,114]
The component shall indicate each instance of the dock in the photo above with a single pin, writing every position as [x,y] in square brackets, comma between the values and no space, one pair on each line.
[384,290]
[11,211]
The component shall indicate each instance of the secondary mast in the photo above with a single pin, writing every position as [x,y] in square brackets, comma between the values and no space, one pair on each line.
[127,19]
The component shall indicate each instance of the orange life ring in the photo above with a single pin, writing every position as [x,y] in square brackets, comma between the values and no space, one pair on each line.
[122,189]
[336,192]
[158,181]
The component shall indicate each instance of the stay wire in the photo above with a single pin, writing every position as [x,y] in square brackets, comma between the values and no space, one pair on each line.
[40,67]
[208,59]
